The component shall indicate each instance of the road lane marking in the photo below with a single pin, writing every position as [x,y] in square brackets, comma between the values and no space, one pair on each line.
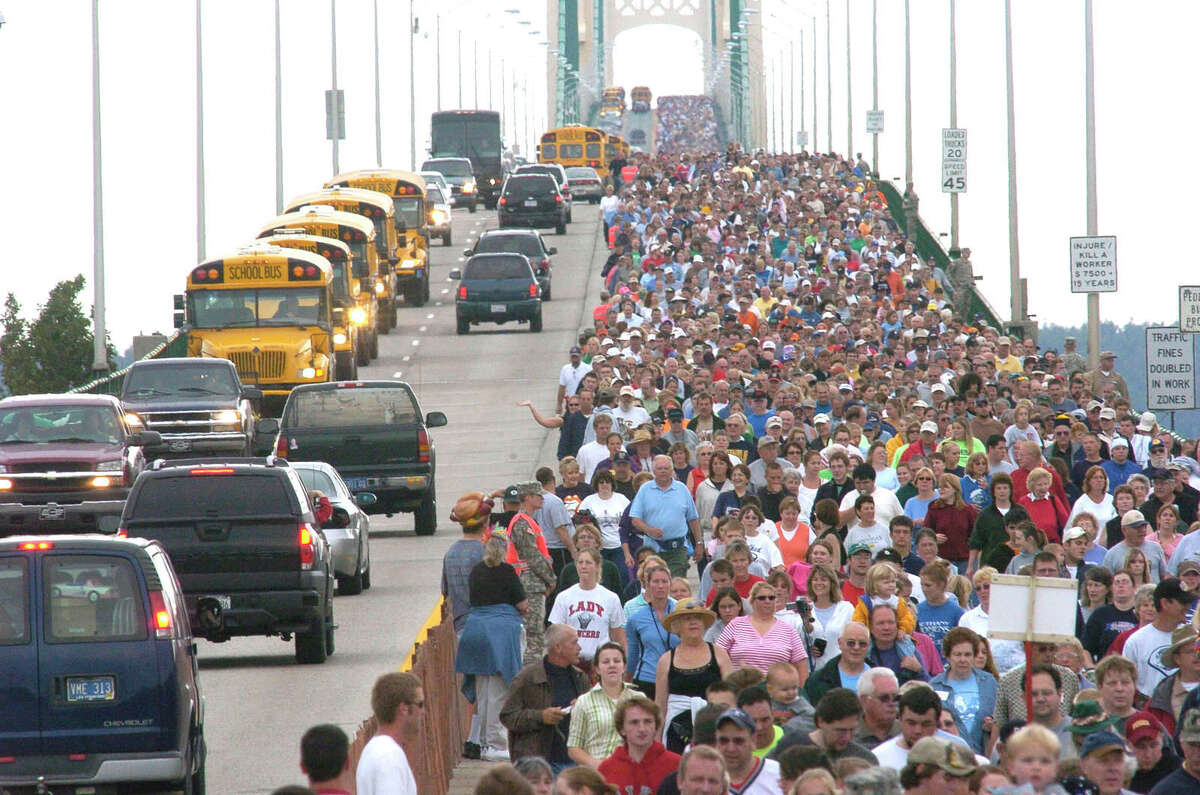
[405,358]
[422,328]
[429,316]
[416,343]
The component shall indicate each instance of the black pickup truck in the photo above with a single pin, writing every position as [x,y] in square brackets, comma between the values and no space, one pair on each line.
[197,405]
[374,434]
[245,545]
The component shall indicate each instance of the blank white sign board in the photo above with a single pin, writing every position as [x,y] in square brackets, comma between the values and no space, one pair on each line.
[1032,608]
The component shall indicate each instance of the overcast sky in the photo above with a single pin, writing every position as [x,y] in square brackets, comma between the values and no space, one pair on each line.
[148,100]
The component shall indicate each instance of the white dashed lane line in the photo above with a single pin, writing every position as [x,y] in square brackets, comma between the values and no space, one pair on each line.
[416,343]
[429,316]
[422,328]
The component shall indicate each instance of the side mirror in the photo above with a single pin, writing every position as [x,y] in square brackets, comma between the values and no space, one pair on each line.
[361,269]
[552,251]
[467,252]
[177,319]
[455,273]
[252,393]
[365,499]
[144,439]
[435,419]
[178,302]
[267,426]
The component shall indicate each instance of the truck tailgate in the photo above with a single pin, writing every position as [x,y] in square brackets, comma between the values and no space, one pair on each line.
[357,450]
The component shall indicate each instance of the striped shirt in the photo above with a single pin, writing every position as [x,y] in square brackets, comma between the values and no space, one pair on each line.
[747,647]
[592,727]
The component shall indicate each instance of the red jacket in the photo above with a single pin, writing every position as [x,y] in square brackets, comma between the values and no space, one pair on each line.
[954,523]
[639,778]
[1021,476]
[1049,514]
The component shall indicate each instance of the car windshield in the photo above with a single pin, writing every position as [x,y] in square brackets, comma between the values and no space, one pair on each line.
[528,245]
[434,194]
[274,306]
[185,380]
[59,424]
[496,268]
[408,210]
[316,480]
[524,187]
[553,172]
[338,408]
[449,168]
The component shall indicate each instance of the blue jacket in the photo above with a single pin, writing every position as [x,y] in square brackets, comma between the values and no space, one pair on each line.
[988,688]
[647,640]
[490,645]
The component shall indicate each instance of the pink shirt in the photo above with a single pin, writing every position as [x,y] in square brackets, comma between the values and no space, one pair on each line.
[747,647]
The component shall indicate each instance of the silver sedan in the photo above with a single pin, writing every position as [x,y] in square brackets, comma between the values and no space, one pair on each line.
[349,531]
[585,184]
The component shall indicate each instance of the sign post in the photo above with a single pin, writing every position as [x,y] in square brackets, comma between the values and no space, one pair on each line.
[1093,264]
[1032,610]
[1189,309]
[1170,369]
[954,160]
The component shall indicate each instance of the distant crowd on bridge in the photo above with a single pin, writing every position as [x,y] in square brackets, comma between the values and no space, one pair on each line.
[789,468]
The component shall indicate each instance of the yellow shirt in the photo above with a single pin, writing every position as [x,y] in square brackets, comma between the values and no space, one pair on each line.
[1010,365]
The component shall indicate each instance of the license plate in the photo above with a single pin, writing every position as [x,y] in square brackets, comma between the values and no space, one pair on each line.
[52,513]
[180,445]
[356,484]
[531,202]
[85,689]
[499,308]
[223,601]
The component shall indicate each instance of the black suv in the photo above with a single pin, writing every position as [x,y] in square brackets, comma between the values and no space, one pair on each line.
[519,241]
[533,200]
[242,537]
[555,170]
[497,288]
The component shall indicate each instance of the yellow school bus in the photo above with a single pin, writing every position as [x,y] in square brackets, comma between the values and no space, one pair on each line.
[349,341]
[377,208]
[615,148]
[267,309]
[575,145]
[407,191]
[358,233]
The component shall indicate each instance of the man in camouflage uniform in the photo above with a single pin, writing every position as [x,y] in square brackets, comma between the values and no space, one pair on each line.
[527,553]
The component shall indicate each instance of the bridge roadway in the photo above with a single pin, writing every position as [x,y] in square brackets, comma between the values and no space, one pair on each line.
[645,122]
[259,701]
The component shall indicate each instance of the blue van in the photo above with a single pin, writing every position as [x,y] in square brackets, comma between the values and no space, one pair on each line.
[98,669]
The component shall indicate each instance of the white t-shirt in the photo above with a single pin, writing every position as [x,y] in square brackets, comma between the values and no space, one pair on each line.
[589,457]
[383,769]
[591,612]
[887,507]
[570,376]
[764,548]
[608,514]
[1145,647]
[625,421]
[875,536]
[891,754]
[763,781]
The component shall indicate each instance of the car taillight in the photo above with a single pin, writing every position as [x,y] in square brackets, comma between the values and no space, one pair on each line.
[423,444]
[503,201]
[533,290]
[33,546]
[546,264]
[160,618]
[462,292]
[558,198]
[308,551]
[281,447]
[122,532]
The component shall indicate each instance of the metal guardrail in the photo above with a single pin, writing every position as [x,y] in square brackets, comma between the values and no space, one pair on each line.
[176,345]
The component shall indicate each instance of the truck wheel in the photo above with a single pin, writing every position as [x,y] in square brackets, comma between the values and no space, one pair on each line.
[362,354]
[448,238]
[311,646]
[561,228]
[374,351]
[472,206]
[546,293]
[344,366]
[194,783]
[425,288]
[329,631]
[535,323]
[463,325]
[426,515]
[352,586]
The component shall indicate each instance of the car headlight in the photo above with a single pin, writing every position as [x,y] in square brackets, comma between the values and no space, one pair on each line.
[469,186]
[5,484]
[130,419]
[101,482]
[339,338]
[358,315]
[227,416]
[440,216]
[3,468]
[109,466]
[308,372]
[380,288]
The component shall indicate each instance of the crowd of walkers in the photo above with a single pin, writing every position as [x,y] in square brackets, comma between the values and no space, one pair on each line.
[686,123]
[790,473]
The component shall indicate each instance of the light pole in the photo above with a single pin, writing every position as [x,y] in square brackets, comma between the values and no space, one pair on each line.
[908,166]
[875,81]
[278,117]
[791,141]
[1089,115]
[99,329]
[378,122]
[849,103]
[828,82]
[412,89]
[460,69]
[199,136]
[333,71]
[953,120]
[1016,299]
[816,120]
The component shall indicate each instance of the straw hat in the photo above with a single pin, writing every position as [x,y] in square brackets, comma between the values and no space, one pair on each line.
[1183,637]
[690,607]
[472,510]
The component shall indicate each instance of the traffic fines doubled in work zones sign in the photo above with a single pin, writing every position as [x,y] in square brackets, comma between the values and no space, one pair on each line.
[874,122]
[1093,264]
[1170,369]
[1189,309]
[954,160]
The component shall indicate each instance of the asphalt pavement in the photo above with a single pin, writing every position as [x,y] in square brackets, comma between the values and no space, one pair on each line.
[259,700]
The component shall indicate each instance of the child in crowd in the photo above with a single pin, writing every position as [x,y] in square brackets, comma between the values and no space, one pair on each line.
[938,614]
[1031,756]
[783,685]
[680,589]
[881,588]
[1029,540]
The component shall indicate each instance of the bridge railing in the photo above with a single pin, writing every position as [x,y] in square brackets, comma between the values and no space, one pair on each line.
[175,345]
[970,306]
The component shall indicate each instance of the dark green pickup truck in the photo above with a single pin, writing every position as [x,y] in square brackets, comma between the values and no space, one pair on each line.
[374,434]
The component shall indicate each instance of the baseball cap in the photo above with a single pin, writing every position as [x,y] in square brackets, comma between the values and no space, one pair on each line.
[929,426]
[512,494]
[1158,444]
[854,549]
[1186,566]
[822,417]
[955,759]
[1169,588]
[774,421]
[627,390]
[1134,518]
[1119,441]
[1100,742]
[576,350]
[1141,725]
[889,555]
[1108,414]
[674,414]
[620,457]
[1189,726]
[1073,533]
[738,717]
[1158,473]
[766,441]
